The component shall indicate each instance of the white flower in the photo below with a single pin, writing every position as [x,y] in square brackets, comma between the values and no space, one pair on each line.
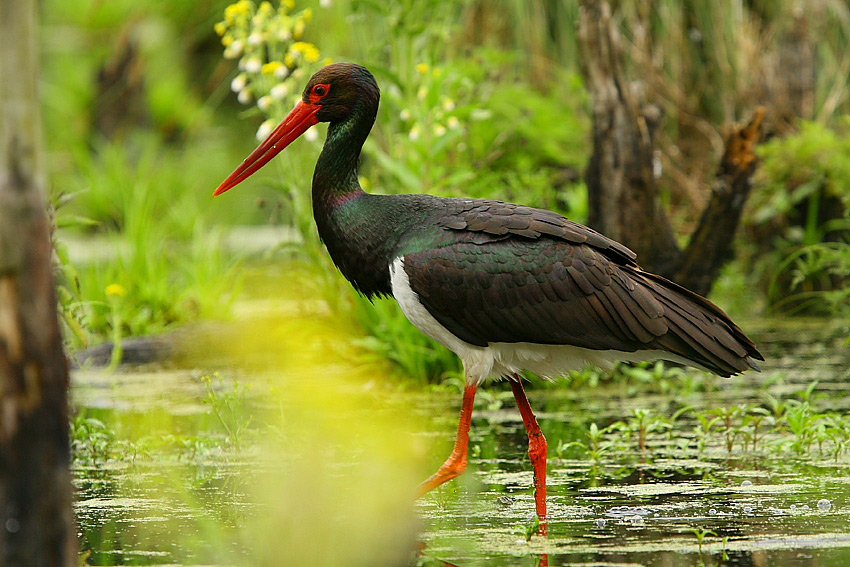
[281,72]
[422,93]
[325,3]
[311,135]
[448,104]
[255,38]
[253,65]
[405,114]
[284,35]
[453,122]
[237,84]
[279,91]
[415,132]
[439,130]
[264,103]
[245,96]
[234,50]
[265,129]
[298,73]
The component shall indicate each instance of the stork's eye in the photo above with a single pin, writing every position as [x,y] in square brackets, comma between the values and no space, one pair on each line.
[319,92]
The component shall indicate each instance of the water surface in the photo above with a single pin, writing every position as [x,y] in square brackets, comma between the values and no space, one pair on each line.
[316,464]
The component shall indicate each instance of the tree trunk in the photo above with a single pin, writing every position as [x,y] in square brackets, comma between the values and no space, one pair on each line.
[623,196]
[36,521]
[710,246]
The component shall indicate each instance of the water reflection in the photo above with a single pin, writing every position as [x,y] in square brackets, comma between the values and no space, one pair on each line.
[167,487]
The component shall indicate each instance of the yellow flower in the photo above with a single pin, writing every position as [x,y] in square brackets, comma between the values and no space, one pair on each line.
[289,60]
[422,68]
[227,40]
[308,14]
[437,73]
[327,61]
[272,66]
[310,51]
[265,9]
[289,4]
[239,9]
[298,31]
[116,290]
[220,28]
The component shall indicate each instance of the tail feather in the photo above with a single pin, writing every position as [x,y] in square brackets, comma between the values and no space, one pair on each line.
[699,330]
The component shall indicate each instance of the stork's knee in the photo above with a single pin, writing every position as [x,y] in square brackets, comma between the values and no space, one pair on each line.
[454,467]
[538,447]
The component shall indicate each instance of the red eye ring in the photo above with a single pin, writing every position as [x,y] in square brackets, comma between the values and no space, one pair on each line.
[318,92]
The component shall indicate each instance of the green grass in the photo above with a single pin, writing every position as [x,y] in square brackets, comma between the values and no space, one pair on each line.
[150,206]
[462,113]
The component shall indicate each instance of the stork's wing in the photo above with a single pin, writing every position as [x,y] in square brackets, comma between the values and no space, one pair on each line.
[549,290]
[497,220]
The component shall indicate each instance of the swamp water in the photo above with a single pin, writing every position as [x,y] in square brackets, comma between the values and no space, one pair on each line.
[315,463]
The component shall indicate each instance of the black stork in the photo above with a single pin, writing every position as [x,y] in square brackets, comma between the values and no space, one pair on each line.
[506,287]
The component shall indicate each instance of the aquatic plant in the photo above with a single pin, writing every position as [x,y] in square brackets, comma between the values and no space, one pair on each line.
[92,441]
[229,403]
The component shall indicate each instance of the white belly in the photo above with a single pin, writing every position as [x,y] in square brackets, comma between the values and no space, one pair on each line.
[497,360]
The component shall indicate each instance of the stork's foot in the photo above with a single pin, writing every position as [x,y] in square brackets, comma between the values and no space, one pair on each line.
[454,466]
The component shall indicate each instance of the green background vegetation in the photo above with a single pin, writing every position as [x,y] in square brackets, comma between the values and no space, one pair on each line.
[480,98]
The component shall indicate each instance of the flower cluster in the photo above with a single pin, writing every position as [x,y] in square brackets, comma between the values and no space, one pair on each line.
[434,112]
[272,56]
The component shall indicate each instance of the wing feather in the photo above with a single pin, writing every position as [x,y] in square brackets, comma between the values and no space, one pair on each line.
[552,291]
[497,218]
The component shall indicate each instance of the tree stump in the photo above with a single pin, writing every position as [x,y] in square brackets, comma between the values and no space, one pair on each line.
[623,194]
[710,246]
[623,197]
[36,519]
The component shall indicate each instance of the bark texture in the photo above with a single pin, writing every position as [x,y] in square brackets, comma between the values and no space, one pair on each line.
[36,521]
[710,246]
[623,194]
[624,203]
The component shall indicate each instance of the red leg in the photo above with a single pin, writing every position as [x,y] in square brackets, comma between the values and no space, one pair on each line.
[456,463]
[538,450]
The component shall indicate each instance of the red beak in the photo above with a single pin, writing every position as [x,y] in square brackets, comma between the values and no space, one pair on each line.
[299,120]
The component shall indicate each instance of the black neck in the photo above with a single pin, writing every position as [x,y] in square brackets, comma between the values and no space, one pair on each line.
[356,242]
[335,177]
